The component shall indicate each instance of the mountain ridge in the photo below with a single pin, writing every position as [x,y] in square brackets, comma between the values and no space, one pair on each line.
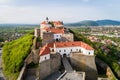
[94,23]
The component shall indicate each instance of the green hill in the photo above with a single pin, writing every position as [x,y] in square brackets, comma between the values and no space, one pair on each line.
[83,23]
[108,22]
[94,23]
[89,23]
[14,54]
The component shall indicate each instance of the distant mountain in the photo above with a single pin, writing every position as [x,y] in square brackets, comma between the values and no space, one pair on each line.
[89,23]
[94,23]
[108,22]
[18,25]
[83,23]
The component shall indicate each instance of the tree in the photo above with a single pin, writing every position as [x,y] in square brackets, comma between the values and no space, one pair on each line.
[14,54]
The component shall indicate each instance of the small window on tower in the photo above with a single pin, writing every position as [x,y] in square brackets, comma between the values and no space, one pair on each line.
[76,49]
[52,50]
[64,50]
[89,53]
[59,50]
[79,50]
[45,58]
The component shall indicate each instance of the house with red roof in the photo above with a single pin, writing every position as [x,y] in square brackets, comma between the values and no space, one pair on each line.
[54,31]
[65,48]
[44,53]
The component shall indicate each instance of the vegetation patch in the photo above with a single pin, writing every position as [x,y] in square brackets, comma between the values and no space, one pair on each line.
[109,58]
[14,54]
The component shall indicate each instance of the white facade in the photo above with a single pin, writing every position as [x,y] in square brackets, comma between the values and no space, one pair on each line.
[68,50]
[57,36]
[44,57]
[37,32]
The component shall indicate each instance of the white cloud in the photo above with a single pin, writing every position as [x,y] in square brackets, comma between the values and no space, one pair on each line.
[13,14]
[37,14]
[9,14]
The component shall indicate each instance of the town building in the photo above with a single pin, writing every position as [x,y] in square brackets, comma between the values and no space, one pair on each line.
[65,48]
[51,31]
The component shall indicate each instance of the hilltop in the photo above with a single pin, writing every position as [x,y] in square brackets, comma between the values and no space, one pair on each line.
[94,23]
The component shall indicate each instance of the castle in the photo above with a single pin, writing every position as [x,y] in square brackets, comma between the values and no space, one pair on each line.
[57,39]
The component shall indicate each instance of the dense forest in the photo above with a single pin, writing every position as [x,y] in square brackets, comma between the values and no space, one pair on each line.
[14,53]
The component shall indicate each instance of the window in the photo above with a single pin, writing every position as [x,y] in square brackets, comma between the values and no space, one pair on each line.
[64,50]
[45,58]
[59,50]
[79,50]
[89,53]
[76,49]
[52,50]
[71,50]
[68,54]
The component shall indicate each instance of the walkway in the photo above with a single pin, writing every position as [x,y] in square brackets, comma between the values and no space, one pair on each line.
[66,64]
[69,74]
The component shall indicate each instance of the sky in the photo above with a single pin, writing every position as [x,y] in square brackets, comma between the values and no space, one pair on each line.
[35,11]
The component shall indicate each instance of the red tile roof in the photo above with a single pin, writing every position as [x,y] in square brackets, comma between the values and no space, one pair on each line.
[46,48]
[44,22]
[45,28]
[57,23]
[54,22]
[54,30]
[72,44]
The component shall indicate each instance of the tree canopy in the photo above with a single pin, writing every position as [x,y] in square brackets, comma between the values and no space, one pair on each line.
[14,54]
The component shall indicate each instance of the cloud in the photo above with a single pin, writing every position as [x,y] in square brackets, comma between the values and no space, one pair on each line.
[35,14]
[13,14]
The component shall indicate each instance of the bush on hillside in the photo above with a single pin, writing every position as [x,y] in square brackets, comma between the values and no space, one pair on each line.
[14,54]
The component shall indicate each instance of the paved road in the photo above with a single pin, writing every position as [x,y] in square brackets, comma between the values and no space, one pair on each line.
[1,75]
[53,76]
[66,64]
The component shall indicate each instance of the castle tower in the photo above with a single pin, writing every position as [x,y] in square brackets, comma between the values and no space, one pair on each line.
[47,19]
[43,26]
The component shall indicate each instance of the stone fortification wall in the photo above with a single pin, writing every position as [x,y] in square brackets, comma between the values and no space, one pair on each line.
[85,64]
[106,69]
[50,66]
[67,37]
[47,38]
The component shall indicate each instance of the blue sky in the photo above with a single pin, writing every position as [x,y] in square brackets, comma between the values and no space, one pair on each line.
[34,11]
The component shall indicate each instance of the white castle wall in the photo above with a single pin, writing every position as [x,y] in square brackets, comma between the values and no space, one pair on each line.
[44,57]
[68,50]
